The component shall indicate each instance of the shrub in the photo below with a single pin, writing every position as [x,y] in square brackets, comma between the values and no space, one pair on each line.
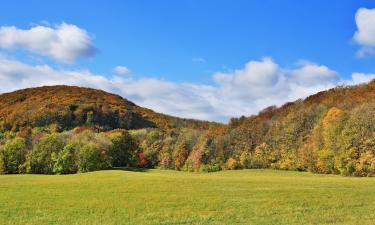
[207,168]
[232,164]
[350,168]
[258,163]
[188,167]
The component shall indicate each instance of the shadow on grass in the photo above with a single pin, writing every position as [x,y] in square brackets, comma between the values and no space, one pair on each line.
[131,169]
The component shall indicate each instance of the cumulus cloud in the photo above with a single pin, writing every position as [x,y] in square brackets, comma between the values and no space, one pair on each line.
[263,83]
[312,74]
[365,35]
[360,78]
[121,70]
[64,43]
[246,91]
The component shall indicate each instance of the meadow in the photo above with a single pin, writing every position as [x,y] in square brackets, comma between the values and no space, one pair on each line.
[172,197]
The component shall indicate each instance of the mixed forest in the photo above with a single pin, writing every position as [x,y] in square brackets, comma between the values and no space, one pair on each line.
[65,129]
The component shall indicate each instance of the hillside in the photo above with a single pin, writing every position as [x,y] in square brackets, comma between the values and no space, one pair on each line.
[49,130]
[69,107]
[332,131]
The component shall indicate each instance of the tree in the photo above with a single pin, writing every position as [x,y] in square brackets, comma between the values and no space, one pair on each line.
[181,153]
[65,161]
[245,160]
[40,159]
[263,156]
[123,149]
[89,158]
[2,163]
[91,151]
[13,155]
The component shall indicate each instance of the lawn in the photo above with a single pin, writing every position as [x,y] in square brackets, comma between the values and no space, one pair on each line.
[171,197]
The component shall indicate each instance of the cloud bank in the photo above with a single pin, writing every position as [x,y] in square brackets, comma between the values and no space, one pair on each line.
[64,43]
[245,91]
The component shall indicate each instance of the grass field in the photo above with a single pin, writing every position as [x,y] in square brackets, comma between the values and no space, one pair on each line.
[171,197]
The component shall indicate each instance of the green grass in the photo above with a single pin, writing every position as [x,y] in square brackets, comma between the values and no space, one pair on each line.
[171,197]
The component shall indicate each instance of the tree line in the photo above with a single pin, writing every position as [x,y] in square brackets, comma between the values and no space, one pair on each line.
[332,132]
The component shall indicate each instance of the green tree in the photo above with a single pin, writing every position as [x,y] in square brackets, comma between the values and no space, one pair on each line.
[92,151]
[13,155]
[89,158]
[40,159]
[65,161]
[123,149]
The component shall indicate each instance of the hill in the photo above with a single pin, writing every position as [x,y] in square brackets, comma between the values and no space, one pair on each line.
[332,131]
[63,129]
[68,107]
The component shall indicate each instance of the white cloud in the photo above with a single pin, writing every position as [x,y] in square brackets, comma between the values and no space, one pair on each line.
[64,43]
[313,74]
[244,91]
[121,70]
[360,78]
[365,35]
[263,83]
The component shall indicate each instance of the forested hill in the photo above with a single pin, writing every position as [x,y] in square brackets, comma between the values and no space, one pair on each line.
[67,107]
[332,131]
[63,129]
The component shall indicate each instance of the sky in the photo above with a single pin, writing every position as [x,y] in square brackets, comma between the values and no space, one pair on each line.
[202,59]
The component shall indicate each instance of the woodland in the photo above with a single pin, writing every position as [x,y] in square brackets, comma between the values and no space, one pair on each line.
[65,130]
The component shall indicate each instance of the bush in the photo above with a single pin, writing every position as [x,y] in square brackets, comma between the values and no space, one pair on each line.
[258,163]
[232,164]
[207,168]
[349,169]
[188,167]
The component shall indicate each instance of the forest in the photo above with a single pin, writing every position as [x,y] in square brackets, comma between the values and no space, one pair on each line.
[64,130]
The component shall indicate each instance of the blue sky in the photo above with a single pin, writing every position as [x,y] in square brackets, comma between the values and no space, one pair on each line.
[171,46]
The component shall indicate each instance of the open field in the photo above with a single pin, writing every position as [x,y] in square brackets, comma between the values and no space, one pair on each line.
[171,197]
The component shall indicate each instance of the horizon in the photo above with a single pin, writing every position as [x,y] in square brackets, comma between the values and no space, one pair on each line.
[186,59]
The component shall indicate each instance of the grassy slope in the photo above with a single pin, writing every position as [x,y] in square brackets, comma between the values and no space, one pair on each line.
[171,197]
